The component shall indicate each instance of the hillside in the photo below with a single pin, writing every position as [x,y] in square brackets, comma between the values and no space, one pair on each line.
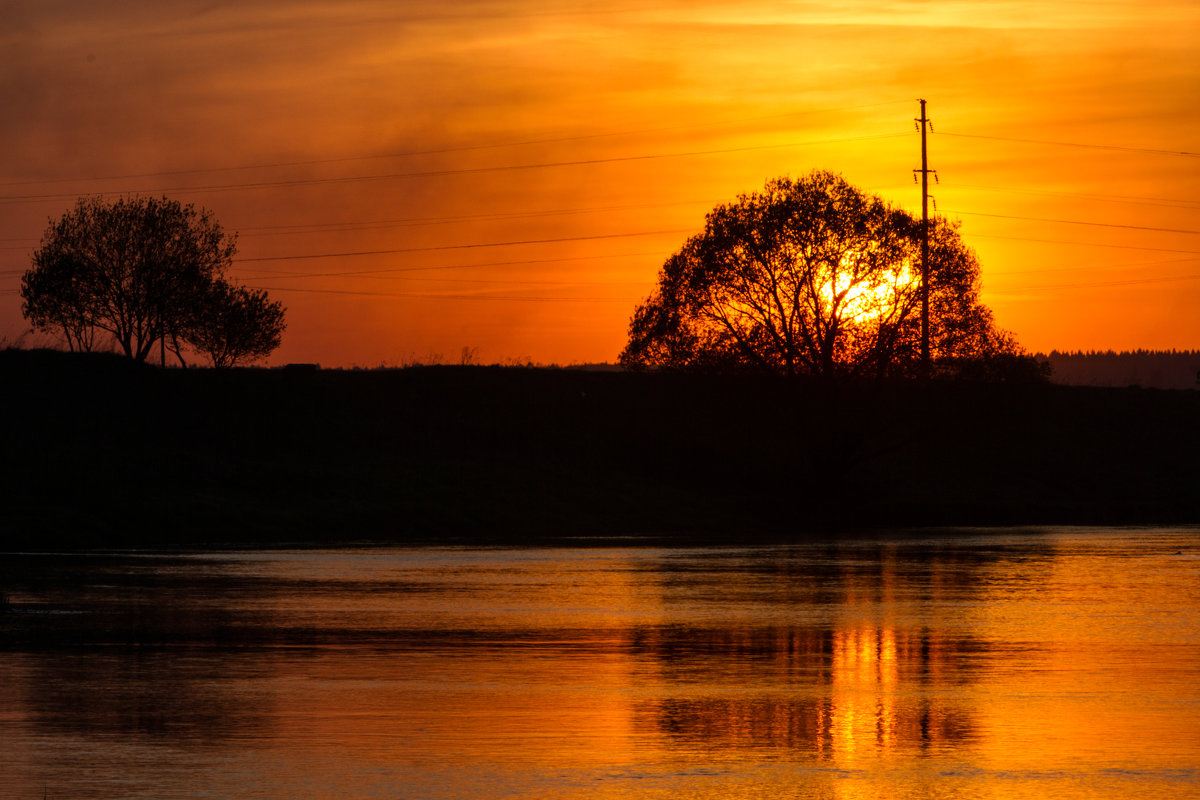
[103,452]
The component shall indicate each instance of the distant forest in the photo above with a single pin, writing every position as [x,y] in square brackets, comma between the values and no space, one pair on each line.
[1149,369]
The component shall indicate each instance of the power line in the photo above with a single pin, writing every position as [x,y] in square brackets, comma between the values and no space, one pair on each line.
[288,274]
[284,230]
[462,246]
[428,296]
[12,199]
[496,281]
[1100,284]
[1151,150]
[438,151]
[334,227]
[536,299]
[1163,202]
[1086,244]
[403,222]
[474,265]
[1125,265]
[638,254]
[295,257]
[349,225]
[500,281]
[1075,222]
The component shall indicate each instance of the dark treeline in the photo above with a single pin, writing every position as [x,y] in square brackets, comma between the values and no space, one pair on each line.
[103,452]
[1158,369]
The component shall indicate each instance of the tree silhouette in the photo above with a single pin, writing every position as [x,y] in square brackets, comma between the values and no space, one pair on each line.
[53,299]
[812,276]
[145,271]
[235,325]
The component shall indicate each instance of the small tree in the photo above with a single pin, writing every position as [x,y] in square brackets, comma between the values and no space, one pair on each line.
[236,325]
[53,301]
[133,268]
[813,276]
[146,271]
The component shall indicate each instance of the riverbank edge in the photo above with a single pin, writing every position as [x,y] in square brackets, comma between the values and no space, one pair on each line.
[106,453]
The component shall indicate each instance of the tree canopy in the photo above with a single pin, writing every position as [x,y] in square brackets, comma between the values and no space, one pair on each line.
[236,324]
[145,271]
[813,276]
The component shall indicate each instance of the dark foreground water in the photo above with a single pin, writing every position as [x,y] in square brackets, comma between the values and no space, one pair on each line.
[1027,664]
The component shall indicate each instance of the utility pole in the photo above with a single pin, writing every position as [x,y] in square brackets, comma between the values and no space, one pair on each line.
[924,123]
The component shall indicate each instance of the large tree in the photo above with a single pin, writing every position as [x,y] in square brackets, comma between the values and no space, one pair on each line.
[813,276]
[146,271]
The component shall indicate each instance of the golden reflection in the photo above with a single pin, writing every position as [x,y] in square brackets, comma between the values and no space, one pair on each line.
[552,689]
[862,710]
[1052,669]
[860,686]
[842,694]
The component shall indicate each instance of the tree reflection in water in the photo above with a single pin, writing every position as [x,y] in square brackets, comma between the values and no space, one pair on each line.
[846,680]
[832,693]
[148,650]
[976,666]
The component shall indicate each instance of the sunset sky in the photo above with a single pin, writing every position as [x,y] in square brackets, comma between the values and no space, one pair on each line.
[413,178]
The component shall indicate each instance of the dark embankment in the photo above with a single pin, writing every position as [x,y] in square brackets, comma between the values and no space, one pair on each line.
[100,452]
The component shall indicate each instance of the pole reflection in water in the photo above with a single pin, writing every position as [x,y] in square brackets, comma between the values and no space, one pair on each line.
[854,710]
[1021,664]
[849,682]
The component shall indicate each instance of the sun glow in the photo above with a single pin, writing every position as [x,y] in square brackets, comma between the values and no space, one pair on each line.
[872,296]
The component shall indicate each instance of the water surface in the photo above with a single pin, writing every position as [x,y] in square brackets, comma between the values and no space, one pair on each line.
[1058,663]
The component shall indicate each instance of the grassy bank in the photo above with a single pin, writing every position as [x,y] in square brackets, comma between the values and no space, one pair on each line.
[102,452]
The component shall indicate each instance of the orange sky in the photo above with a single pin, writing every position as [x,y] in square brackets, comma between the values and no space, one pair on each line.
[452,136]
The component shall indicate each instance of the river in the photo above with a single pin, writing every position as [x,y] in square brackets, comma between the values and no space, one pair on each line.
[1060,662]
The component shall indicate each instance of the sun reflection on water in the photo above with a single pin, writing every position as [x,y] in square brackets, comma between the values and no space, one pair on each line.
[851,672]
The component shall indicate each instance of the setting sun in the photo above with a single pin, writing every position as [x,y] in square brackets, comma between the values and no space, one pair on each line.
[878,295]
